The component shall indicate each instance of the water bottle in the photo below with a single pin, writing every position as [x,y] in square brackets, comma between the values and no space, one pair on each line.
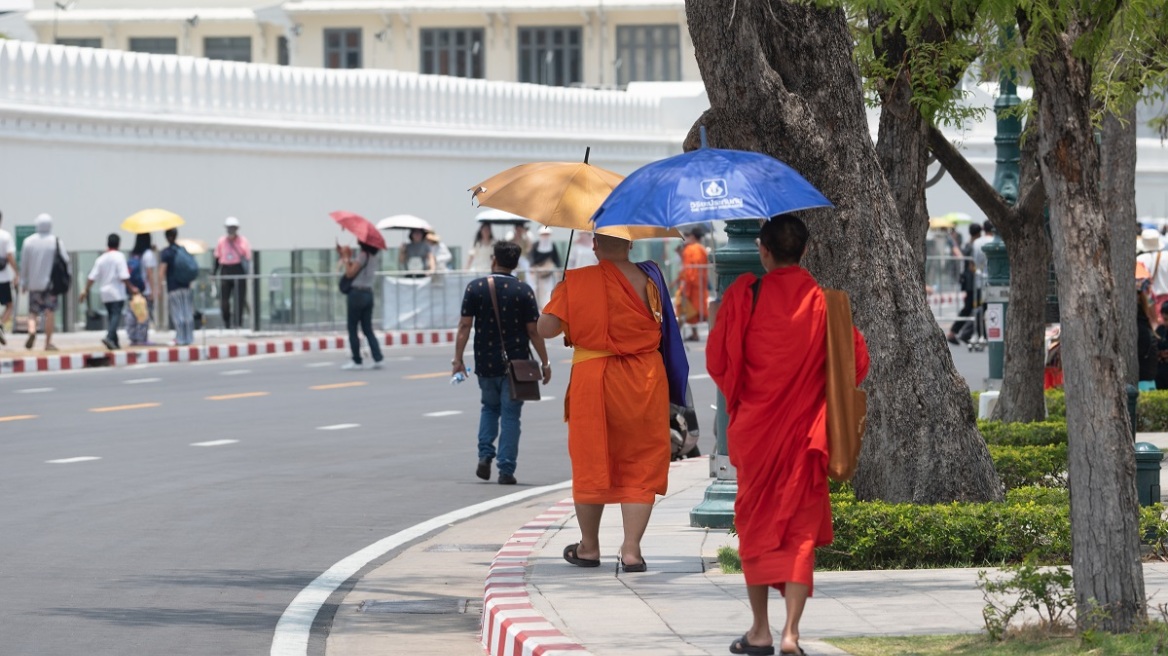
[460,376]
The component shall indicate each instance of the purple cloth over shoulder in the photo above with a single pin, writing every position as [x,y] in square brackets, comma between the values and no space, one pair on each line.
[672,348]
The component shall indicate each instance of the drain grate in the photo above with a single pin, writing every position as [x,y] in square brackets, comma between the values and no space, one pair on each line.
[451,548]
[415,606]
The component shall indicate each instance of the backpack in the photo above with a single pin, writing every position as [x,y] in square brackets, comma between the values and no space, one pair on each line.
[59,277]
[134,263]
[186,269]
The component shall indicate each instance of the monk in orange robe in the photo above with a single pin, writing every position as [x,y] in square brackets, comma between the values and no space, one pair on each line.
[693,283]
[617,406]
[768,356]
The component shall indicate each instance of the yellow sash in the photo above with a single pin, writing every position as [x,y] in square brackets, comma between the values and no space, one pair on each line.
[581,354]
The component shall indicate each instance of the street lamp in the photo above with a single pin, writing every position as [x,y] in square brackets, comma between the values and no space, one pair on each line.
[1006,179]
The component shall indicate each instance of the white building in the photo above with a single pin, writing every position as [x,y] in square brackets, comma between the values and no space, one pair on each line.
[593,43]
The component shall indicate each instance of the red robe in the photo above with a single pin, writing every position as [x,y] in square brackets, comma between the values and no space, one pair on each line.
[693,284]
[772,369]
[617,406]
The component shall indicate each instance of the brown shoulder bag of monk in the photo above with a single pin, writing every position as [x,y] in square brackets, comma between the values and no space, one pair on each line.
[847,406]
[525,374]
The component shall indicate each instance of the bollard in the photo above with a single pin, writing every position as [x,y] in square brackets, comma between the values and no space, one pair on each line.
[1133,396]
[1148,457]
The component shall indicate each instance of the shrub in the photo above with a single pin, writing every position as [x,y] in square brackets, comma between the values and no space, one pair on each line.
[1043,496]
[1042,466]
[1041,433]
[1152,411]
[1056,405]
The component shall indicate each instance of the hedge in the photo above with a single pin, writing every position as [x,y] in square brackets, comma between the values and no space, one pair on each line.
[1042,466]
[1041,433]
[1151,408]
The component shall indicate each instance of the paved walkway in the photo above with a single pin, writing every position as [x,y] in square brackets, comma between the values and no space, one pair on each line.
[535,603]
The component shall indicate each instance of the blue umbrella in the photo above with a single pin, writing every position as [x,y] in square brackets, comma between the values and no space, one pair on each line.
[707,184]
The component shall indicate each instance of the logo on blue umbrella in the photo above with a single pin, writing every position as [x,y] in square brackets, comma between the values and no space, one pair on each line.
[714,188]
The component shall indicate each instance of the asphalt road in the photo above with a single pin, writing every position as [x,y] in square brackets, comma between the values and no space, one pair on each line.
[166,545]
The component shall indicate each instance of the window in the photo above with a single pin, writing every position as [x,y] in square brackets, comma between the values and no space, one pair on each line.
[648,53]
[228,48]
[80,43]
[550,55]
[453,52]
[342,48]
[282,57]
[154,45]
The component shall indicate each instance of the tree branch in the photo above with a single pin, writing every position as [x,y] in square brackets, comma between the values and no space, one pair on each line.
[967,177]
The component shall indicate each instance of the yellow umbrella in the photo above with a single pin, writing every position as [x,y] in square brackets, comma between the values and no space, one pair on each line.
[152,220]
[557,194]
[940,223]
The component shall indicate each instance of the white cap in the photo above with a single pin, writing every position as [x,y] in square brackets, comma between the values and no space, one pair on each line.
[1150,240]
[231,222]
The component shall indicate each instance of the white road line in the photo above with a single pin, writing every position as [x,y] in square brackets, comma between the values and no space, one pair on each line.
[35,390]
[235,372]
[295,625]
[699,376]
[443,413]
[141,381]
[214,443]
[547,398]
[67,461]
[317,365]
[338,427]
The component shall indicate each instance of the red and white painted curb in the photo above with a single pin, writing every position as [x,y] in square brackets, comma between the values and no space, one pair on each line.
[511,626]
[72,361]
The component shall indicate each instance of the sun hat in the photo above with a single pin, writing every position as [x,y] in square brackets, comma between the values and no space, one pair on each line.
[1150,239]
[231,222]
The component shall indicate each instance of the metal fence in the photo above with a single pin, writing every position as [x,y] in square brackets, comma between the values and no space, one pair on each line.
[943,286]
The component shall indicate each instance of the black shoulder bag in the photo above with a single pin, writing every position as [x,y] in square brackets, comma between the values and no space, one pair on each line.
[346,284]
[525,374]
[59,277]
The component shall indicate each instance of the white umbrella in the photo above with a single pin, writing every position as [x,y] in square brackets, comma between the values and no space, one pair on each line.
[404,222]
[498,216]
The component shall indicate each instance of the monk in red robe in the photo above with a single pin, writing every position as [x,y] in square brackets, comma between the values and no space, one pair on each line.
[617,406]
[693,283]
[769,359]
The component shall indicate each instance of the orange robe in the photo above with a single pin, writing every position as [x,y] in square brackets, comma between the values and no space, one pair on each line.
[772,368]
[693,283]
[617,406]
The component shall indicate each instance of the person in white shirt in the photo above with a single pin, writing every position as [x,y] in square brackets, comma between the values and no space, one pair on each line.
[112,277]
[9,280]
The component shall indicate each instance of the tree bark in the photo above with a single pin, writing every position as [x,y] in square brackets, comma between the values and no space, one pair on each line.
[1023,230]
[1118,159]
[781,80]
[1104,510]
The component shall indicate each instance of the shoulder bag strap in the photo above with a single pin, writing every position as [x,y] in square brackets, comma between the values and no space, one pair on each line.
[498,321]
[1156,267]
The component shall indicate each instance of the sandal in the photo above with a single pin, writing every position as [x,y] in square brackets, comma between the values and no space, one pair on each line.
[570,556]
[798,652]
[635,567]
[743,646]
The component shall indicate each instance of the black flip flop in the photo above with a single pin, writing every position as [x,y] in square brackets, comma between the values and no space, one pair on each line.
[634,568]
[743,646]
[798,652]
[570,556]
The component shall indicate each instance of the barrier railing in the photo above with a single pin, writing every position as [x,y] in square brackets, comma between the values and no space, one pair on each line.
[943,286]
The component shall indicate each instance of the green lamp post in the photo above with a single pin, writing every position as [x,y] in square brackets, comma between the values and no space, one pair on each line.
[738,256]
[1006,178]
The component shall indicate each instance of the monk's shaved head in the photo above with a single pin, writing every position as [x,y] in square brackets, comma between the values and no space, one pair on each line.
[610,245]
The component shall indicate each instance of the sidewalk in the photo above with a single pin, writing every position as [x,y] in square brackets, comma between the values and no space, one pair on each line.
[535,603]
[81,350]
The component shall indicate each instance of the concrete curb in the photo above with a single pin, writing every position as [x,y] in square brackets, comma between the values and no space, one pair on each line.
[74,361]
[511,625]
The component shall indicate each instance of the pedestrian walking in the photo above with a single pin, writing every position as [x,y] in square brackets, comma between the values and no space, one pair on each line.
[38,254]
[482,251]
[694,282]
[180,300]
[9,282]
[618,318]
[767,353]
[1147,344]
[232,260]
[143,265]
[545,263]
[111,274]
[968,281]
[510,337]
[362,268]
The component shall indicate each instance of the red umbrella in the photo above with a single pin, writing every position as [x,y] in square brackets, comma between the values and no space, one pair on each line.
[365,231]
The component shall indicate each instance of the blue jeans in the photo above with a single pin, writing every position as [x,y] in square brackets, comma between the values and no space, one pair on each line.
[113,313]
[499,411]
[361,312]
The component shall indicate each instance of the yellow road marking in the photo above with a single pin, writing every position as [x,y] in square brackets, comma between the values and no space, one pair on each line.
[117,408]
[440,374]
[228,397]
[338,385]
[17,417]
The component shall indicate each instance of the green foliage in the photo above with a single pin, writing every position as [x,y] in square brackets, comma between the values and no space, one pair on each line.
[1056,405]
[1049,592]
[729,561]
[1152,411]
[1042,466]
[1154,530]
[1042,496]
[1041,433]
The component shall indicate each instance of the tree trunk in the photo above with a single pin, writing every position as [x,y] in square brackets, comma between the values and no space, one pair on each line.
[1104,508]
[1118,154]
[781,80]
[1023,231]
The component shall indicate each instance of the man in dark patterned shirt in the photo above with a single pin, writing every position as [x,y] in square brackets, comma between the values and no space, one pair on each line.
[519,313]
